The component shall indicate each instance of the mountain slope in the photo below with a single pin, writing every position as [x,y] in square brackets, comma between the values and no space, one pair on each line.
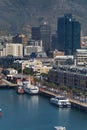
[18,15]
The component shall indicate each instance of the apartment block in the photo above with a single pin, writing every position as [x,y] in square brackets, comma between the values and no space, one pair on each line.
[71,76]
[30,49]
[81,57]
[12,49]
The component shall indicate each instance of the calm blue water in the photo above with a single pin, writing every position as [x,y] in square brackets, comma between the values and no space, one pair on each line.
[25,112]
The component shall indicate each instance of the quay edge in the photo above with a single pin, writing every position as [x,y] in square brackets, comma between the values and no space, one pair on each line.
[79,105]
[74,103]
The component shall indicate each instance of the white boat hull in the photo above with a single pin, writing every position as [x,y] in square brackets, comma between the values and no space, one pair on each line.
[31,91]
[61,103]
[30,88]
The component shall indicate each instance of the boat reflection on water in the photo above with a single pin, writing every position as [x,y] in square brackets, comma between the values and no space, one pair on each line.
[0,112]
[64,112]
[32,101]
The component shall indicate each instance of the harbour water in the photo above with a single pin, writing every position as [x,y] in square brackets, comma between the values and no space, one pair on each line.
[25,112]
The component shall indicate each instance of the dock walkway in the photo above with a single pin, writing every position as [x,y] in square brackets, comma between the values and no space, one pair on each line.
[75,103]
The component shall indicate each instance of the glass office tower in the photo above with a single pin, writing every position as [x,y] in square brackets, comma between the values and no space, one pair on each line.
[68,33]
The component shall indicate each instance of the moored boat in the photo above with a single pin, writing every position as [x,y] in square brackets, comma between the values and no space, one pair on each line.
[20,89]
[30,88]
[61,101]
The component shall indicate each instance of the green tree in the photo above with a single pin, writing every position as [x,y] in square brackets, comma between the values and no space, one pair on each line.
[28,71]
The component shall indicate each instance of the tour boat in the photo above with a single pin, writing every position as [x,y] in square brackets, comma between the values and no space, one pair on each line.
[61,101]
[60,128]
[30,88]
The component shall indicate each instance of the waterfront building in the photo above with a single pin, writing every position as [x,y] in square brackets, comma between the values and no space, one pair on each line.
[63,60]
[46,61]
[12,71]
[69,33]
[31,63]
[9,71]
[18,77]
[36,65]
[45,69]
[71,76]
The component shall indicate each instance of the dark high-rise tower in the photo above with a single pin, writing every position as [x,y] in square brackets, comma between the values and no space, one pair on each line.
[68,32]
[45,34]
[35,33]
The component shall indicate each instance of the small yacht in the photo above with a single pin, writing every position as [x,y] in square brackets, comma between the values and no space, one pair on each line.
[61,101]
[60,128]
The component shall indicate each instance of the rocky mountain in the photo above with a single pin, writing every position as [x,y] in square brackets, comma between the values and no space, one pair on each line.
[18,15]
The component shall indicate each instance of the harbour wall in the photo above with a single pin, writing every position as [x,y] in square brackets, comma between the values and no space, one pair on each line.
[74,103]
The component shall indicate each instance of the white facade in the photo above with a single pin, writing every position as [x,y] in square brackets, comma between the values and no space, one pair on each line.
[81,57]
[12,49]
[63,60]
[29,49]
[12,71]
[37,43]
[36,65]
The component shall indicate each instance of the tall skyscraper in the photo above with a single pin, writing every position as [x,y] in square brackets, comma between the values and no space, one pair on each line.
[35,33]
[45,35]
[68,33]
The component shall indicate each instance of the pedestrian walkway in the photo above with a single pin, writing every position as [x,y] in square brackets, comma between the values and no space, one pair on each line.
[75,103]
